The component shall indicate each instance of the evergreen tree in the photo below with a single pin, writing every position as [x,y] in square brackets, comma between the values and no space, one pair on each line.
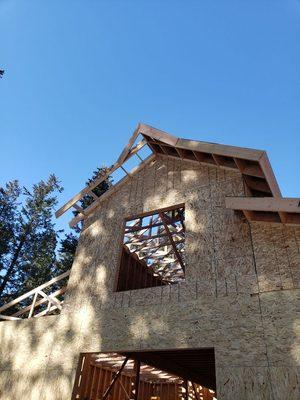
[66,252]
[28,239]
[28,236]
[100,189]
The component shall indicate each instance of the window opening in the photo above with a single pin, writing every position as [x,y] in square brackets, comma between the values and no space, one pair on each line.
[153,251]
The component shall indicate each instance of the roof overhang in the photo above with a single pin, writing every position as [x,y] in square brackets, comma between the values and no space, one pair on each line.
[254,166]
[267,209]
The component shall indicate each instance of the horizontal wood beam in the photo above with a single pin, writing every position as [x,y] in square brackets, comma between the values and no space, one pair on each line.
[219,149]
[170,366]
[273,204]
[33,291]
[39,302]
[9,318]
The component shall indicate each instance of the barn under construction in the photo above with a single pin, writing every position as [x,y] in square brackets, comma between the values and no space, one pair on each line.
[185,285]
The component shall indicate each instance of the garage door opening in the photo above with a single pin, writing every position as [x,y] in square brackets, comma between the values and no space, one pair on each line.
[151,375]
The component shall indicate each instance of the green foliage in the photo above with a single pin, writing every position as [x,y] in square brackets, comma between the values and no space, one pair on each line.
[99,189]
[66,252]
[28,236]
[31,251]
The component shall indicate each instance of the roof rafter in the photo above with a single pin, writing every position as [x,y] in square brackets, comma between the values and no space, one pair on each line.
[253,165]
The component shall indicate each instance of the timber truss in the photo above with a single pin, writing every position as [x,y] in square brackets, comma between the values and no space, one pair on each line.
[153,249]
[259,180]
[45,299]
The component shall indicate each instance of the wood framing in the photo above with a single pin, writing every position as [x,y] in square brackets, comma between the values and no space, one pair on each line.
[28,304]
[267,209]
[254,165]
[153,249]
[238,295]
[114,376]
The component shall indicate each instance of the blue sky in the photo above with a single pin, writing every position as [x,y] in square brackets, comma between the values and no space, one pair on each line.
[79,76]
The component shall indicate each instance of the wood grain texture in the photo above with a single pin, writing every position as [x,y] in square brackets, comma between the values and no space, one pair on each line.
[240,294]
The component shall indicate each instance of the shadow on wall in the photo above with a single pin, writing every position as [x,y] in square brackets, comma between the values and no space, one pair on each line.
[39,356]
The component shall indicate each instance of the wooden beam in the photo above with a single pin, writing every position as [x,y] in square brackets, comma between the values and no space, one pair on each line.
[158,134]
[186,386]
[126,150]
[32,307]
[269,174]
[39,302]
[137,368]
[124,390]
[135,150]
[51,299]
[238,153]
[78,208]
[195,391]
[129,229]
[272,204]
[33,291]
[257,184]
[104,196]
[47,311]
[9,318]
[85,191]
[172,241]
[156,211]
[283,217]
[219,149]
[125,155]
[252,163]
[145,238]
[118,373]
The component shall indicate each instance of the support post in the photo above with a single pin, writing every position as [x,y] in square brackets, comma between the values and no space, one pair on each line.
[137,367]
[186,395]
[194,388]
[116,376]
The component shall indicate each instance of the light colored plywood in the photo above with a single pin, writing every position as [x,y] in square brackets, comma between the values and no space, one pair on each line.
[223,303]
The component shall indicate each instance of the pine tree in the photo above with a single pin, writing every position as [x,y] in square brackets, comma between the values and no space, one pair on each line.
[99,190]
[66,253]
[28,236]
[30,250]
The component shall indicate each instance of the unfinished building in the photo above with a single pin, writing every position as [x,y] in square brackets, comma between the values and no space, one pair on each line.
[185,285]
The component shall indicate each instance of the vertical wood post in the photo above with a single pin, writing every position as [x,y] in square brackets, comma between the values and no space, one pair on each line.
[195,391]
[137,367]
[186,396]
[108,390]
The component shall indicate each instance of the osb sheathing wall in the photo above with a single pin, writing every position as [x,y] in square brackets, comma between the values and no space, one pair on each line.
[240,295]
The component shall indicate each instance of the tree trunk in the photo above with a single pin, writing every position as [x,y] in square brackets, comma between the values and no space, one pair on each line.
[11,267]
